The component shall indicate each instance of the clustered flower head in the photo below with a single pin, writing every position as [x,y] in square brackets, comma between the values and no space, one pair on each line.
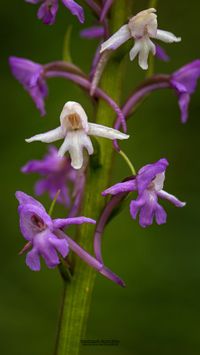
[75,130]
[48,10]
[141,28]
[148,183]
[63,176]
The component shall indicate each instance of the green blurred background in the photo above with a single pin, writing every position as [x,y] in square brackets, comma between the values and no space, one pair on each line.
[159,311]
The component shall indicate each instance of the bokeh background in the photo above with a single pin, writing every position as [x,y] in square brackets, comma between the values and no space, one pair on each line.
[159,311]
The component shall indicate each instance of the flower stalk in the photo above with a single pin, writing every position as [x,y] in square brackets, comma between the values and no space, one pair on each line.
[77,293]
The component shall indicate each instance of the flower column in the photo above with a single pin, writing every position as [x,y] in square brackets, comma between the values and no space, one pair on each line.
[77,293]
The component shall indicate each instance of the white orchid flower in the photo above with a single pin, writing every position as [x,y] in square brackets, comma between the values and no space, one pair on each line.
[141,28]
[75,130]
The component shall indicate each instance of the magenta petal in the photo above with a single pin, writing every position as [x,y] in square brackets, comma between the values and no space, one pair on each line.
[29,74]
[92,32]
[75,9]
[126,186]
[57,175]
[161,54]
[135,206]
[33,260]
[40,187]
[183,101]
[184,81]
[149,172]
[50,256]
[146,215]
[26,199]
[47,12]
[61,245]
[188,75]
[63,222]
[160,214]
[26,213]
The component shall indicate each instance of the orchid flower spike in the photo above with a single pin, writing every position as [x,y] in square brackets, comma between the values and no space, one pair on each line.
[141,28]
[75,130]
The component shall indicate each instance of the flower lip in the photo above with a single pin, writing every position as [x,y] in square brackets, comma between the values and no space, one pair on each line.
[73,117]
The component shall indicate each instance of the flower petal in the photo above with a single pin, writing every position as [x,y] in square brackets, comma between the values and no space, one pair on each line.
[166,36]
[117,39]
[135,50]
[41,186]
[92,32]
[50,256]
[72,143]
[29,74]
[149,172]
[183,101]
[186,76]
[106,132]
[135,206]
[64,222]
[127,186]
[161,54]
[159,181]
[48,137]
[47,12]
[146,214]
[26,199]
[146,46]
[27,226]
[171,198]
[73,108]
[33,260]
[160,214]
[61,245]
[75,9]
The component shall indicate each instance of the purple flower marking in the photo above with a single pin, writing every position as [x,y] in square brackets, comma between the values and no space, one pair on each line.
[29,74]
[49,8]
[149,185]
[47,239]
[184,82]
[57,175]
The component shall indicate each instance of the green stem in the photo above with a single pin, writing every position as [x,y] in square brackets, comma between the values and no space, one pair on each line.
[77,293]
[53,203]
[128,162]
